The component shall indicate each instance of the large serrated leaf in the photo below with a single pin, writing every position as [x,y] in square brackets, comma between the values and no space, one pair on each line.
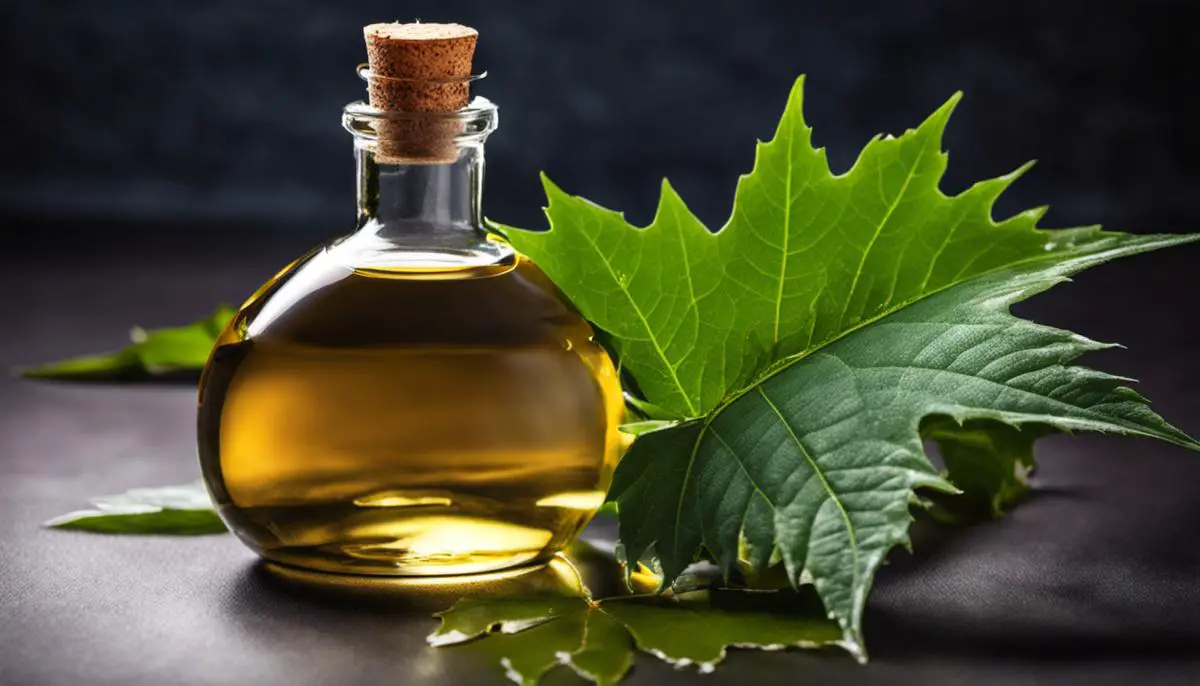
[806,341]
[821,458]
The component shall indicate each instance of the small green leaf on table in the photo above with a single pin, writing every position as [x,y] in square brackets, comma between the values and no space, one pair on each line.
[150,353]
[178,510]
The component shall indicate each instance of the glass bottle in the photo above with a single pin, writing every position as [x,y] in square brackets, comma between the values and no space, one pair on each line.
[414,398]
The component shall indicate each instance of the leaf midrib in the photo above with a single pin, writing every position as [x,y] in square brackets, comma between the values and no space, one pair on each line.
[912,172]
[1090,413]
[784,363]
[787,227]
[687,475]
[824,483]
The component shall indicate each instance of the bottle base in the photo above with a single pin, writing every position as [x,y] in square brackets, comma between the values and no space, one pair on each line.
[403,536]
[330,578]
[378,542]
[385,560]
[425,595]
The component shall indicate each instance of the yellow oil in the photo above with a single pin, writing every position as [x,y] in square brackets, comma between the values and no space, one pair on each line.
[410,422]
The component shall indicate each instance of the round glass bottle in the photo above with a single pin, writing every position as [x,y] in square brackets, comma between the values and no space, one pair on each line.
[414,398]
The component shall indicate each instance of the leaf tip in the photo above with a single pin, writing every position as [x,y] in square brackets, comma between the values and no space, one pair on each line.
[797,92]
[63,521]
[1035,214]
[852,643]
[935,124]
[551,189]
[1020,171]
[949,106]
[667,190]
[794,107]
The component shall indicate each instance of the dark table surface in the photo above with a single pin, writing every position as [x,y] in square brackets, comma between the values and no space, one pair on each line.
[1095,580]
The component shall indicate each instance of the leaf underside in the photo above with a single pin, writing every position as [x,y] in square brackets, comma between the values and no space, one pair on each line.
[989,461]
[807,341]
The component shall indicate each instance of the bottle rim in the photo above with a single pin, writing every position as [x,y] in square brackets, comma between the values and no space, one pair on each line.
[478,119]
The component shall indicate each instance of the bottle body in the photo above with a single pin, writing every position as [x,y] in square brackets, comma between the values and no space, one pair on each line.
[386,417]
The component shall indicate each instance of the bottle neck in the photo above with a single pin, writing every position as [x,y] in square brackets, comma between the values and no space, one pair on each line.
[420,187]
[395,199]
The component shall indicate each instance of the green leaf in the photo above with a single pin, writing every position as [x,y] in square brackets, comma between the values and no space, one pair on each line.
[989,461]
[172,522]
[530,636]
[156,352]
[695,628]
[179,510]
[639,428]
[808,339]
[604,655]
[822,457]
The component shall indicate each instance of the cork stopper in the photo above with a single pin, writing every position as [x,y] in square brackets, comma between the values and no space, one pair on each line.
[419,69]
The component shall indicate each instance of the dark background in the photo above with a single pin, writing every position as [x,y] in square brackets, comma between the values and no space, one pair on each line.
[224,115]
[159,157]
